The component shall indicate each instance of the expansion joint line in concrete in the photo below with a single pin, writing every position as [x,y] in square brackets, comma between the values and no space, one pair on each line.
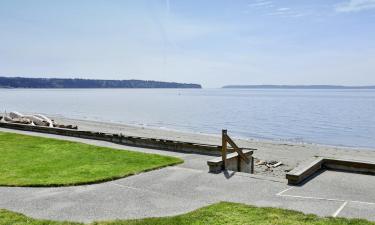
[336,213]
[339,209]
[283,191]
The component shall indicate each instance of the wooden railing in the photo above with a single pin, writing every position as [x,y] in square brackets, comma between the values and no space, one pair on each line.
[224,150]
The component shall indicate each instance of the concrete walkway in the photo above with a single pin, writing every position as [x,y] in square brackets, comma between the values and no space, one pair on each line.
[183,188]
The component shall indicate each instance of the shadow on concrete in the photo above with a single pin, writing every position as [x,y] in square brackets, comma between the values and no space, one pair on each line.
[228,174]
[317,173]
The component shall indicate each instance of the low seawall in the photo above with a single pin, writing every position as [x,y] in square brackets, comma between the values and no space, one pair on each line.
[161,144]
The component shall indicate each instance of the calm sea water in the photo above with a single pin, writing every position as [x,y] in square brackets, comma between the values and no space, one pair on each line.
[333,117]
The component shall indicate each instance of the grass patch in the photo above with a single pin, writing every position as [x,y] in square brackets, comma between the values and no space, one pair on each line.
[217,214]
[36,161]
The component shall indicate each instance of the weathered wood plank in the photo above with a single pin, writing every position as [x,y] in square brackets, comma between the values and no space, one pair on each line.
[236,148]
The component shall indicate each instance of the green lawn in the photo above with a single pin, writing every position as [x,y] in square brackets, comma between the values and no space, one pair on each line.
[217,214]
[35,161]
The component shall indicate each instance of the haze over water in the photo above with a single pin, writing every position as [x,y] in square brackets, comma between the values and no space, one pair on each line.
[333,117]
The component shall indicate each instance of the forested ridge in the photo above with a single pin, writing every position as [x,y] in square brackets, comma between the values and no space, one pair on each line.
[23,82]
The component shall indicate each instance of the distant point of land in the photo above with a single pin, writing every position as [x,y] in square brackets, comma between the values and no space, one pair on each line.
[23,82]
[297,87]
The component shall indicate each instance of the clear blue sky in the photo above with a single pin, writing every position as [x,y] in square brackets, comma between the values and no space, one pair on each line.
[212,42]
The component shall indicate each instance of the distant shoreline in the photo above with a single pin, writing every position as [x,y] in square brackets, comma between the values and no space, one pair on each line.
[108,88]
[296,87]
[55,83]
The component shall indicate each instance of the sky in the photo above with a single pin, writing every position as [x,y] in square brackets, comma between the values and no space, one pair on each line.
[210,42]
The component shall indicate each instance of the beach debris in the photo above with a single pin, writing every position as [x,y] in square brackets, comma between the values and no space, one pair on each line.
[260,162]
[46,119]
[33,120]
[66,126]
[277,164]
[269,164]
[21,120]
[7,119]
[273,164]
[15,115]
[36,120]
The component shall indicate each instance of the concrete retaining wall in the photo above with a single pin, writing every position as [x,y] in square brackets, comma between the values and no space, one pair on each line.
[162,144]
[306,170]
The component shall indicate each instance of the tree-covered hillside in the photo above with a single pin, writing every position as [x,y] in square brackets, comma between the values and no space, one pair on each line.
[22,82]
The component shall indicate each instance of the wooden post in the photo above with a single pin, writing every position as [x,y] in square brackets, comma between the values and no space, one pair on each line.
[252,165]
[224,147]
[239,163]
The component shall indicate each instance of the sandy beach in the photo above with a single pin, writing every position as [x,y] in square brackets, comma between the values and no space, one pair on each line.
[289,153]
